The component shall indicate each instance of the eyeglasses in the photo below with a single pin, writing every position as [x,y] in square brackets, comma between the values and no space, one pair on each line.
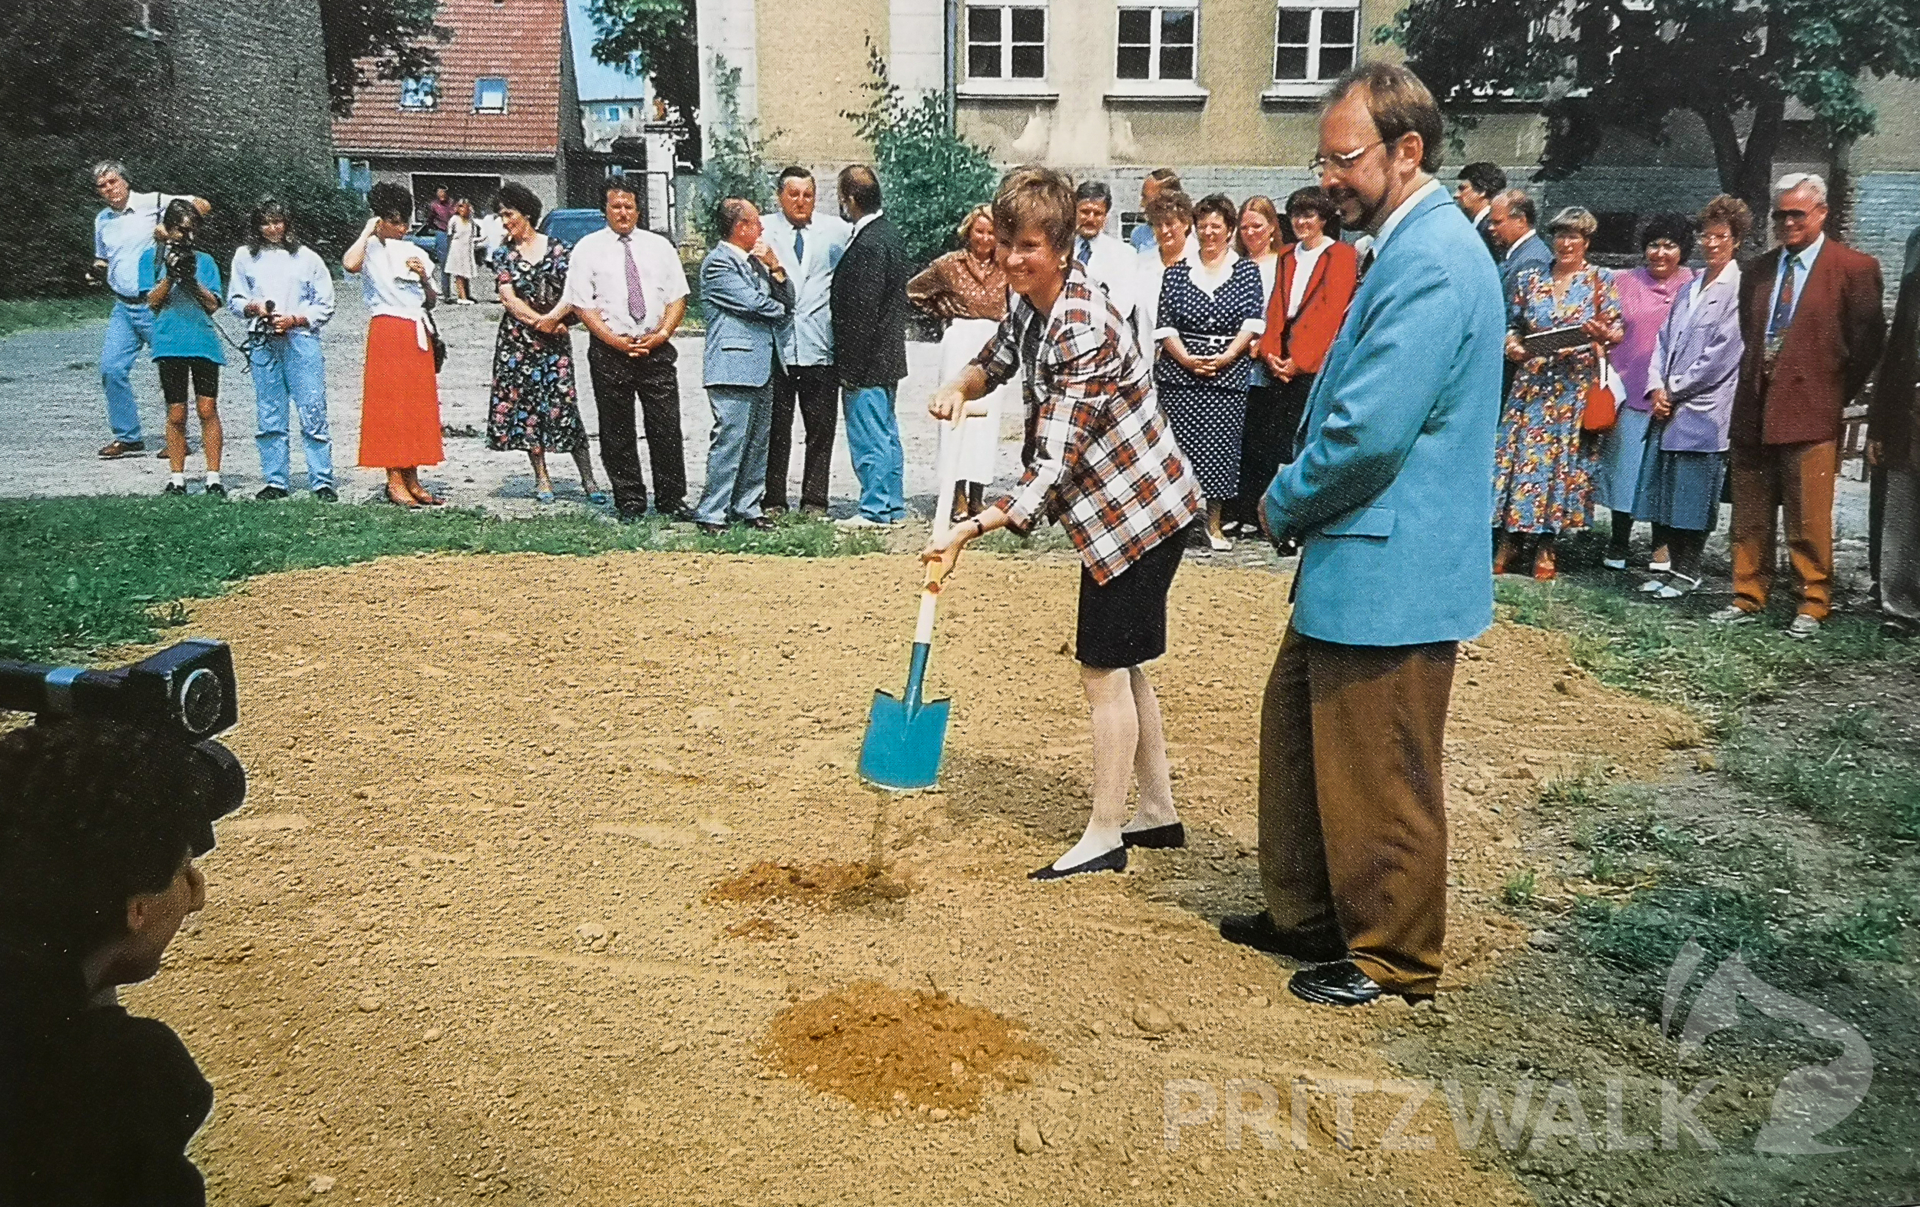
[1790,215]
[1342,162]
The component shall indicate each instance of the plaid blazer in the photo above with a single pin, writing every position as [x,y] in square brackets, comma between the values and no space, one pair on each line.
[1104,462]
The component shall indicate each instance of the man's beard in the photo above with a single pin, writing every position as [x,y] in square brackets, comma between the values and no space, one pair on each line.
[1357,212]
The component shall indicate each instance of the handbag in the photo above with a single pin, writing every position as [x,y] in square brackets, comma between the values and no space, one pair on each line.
[433,338]
[1602,409]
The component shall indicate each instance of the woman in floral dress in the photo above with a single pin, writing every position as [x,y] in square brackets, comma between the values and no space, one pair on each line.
[1543,463]
[533,407]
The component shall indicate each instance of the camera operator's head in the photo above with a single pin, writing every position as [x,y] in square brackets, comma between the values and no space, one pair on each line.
[271,225]
[393,206]
[100,823]
[179,221]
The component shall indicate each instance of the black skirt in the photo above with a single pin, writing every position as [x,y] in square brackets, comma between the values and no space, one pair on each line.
[1124,622]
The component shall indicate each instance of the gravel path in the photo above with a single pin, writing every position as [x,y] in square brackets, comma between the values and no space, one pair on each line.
[53,418]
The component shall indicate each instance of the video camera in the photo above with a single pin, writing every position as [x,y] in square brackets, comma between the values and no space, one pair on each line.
[260,326]
[183,257]
[188,690]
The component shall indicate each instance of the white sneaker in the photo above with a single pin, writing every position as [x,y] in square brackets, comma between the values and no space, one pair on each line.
[860,521]
[1732,615]
[1220,544]
[1652,587]
[1803,626]
[1659,567]
[1614,563]
[1677,586]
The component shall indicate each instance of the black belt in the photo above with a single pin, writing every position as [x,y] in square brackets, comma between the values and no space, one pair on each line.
[134,300]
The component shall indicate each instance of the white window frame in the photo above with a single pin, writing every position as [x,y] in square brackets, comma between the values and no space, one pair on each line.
[1317,78]
[151,26]
[1153,77]
[424,92]
[479,83]
[1006,82]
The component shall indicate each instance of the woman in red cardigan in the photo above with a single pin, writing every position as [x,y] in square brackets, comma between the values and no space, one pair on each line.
[1314,284]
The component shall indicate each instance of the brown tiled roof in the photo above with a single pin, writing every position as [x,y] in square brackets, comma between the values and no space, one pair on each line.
[521,40]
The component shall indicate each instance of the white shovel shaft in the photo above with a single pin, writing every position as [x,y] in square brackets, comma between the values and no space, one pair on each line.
[946,472]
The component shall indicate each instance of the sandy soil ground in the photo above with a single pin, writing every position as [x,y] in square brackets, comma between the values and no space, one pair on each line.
[461,943]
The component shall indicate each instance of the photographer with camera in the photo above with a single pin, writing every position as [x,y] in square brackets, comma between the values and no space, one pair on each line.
[182,284]
[284,291]
[100,824]
[121,232]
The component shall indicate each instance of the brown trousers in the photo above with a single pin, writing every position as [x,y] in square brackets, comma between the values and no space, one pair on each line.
[1796,479]
[1353,822]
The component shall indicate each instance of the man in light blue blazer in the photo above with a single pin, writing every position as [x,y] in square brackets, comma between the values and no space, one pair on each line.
[810,244]
[1389,498]
[748,301]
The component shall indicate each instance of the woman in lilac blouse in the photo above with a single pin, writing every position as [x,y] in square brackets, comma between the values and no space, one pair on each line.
[1696,366]
[1646,295]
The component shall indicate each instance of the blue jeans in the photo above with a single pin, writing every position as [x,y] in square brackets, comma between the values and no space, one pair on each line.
[737,458]
[288,367]
[873,437]
[442,244]
[129,329]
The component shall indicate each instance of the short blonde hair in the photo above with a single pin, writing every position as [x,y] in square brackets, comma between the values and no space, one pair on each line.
[965,230]
[1038,198]
[1576,219]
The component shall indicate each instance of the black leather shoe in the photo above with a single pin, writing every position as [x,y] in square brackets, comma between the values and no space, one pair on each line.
[1159,838]
[1113,861]
[1340,983]
[269,494]
[710,529]
[327,494]
[1258,932]
[682,514]
[761,524]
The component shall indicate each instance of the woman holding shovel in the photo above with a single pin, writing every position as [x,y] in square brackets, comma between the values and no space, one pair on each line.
[1108,471]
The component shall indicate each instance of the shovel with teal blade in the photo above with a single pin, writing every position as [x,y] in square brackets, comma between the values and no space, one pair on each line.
[906,736]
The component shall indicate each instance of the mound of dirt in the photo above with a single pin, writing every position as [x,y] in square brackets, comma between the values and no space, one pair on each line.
[830,882]
[881,1048]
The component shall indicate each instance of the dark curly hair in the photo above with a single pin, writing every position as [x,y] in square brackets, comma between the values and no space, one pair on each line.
[1731,212]
[517,196]
[92,813]
[1675,227]
[391,202]
[1314,200]
[1220,205]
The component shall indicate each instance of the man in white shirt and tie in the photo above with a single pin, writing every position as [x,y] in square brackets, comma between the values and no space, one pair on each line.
[1107,259]
[627,284]
[809,246]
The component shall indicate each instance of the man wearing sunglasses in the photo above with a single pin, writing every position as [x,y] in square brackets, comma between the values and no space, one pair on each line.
[1814,324]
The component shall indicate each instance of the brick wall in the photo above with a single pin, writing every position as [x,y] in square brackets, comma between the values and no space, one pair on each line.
[250,77]
[1886,208]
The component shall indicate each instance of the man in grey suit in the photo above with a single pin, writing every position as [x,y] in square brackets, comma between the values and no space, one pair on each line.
[810,244]
[1510,221]
[748,300]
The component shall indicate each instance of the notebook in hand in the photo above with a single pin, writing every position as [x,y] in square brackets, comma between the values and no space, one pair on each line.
[1545,343]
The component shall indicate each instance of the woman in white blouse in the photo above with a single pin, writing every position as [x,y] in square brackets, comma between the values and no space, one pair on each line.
[400,398]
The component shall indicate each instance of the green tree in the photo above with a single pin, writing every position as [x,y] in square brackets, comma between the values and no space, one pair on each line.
[931,176]
[368,40]
[1592,65]
[737,164]
[657,37]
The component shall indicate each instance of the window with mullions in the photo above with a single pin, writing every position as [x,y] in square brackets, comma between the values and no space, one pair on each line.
[1314,42]
[1156,43]
[1006,42]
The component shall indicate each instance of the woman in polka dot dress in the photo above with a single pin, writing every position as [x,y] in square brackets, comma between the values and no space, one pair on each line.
[1212,309]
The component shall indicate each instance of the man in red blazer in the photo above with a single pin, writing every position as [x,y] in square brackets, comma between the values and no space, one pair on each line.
[1814,324]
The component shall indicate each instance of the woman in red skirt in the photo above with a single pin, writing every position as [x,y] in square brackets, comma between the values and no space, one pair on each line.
[400,400]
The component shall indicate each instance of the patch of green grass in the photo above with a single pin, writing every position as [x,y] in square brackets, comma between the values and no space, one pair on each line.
[1518,892]
[1833,776]
[35,314]
[80,574]
[1645,933]
[1670,655]
[1584,787]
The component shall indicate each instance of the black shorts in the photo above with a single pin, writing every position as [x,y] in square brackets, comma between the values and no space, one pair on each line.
[1124,622]
[175,372]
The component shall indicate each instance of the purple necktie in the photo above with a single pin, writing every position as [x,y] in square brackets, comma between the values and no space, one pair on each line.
[636,292]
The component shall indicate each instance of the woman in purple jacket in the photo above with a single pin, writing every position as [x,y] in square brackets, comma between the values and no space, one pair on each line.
[1691,381]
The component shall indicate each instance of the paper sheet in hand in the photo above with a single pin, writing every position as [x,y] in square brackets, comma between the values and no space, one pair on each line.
[1545,343]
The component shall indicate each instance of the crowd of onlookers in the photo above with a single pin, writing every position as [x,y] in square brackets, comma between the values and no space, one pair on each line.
[1654,394]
